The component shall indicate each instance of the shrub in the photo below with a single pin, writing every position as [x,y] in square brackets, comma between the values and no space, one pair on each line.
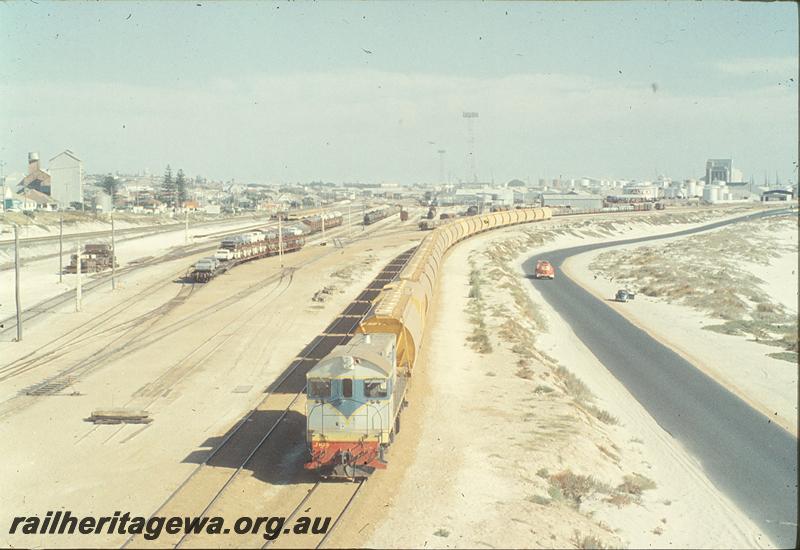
[574,385]
[587,541]
[576,487]
[636,483]
[538,499]
[603,415]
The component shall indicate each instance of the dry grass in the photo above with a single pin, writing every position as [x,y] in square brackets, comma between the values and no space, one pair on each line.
[574,386]
[703,272]
[574,488]
[538,499]
[602,415]
[635,484]
[588,542]
[525,373]
[479,338]
[619,499]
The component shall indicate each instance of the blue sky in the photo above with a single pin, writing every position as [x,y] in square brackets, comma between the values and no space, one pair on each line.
[286,91]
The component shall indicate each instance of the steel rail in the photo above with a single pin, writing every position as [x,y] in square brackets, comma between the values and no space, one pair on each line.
[341,514]
[282,379]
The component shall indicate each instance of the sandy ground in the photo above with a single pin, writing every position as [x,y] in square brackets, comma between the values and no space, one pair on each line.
[737,361]
[493,446]
[196,365]
[496,439]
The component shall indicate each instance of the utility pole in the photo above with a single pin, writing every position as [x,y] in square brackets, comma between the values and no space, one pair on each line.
[471,116]
[280,238]
[113,256]
[186,228]
[78,287]
[322,217]
[16,283]
[61,248]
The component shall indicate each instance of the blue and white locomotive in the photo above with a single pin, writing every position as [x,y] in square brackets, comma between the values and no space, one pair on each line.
[354,397]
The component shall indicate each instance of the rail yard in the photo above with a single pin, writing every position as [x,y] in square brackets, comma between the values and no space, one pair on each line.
[273,386]
[399,275]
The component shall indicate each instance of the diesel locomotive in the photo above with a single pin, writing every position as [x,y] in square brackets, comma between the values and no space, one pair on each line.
[356,393]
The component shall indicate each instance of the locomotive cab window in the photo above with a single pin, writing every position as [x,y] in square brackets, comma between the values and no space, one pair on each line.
[347,387]
[319,387]
[375,388]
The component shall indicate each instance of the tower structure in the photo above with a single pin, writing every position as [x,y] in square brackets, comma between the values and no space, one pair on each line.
[471,116]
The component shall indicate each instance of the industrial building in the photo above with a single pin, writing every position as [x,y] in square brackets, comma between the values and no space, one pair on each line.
[66,172]
[37,178]
[645,190]
[718,170]
[779,195]
[571,200]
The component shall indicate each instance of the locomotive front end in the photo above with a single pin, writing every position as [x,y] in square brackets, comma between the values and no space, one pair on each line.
[349,407]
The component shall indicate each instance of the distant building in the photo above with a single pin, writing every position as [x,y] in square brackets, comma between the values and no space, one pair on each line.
[37,178]
[572,200]
[103,201]
[66,171]
[741,190]
[647,191]
[718,170]
[776,195]
[42,201]
[13,202]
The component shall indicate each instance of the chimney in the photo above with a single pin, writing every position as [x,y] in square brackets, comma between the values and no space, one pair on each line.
[33,162]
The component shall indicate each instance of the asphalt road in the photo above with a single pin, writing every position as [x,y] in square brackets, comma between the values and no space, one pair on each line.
[745,455]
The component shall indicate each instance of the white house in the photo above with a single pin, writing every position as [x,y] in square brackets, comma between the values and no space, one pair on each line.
[66,178]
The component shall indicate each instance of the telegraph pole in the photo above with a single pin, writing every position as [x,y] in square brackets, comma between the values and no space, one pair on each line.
[113,257]
[280,238]
[78,287]
[471,116]
[186,228]
[322,217]
[16,283]
[61,248]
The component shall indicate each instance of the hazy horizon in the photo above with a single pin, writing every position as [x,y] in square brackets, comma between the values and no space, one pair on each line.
[369,92]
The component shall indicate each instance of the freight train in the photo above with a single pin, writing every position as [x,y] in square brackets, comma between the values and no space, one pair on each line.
[357,392]
[244,247]
[94,257]
[632,207]
[264,242]
[328,220]
[378,214]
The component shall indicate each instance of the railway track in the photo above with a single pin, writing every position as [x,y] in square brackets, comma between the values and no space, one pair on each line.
[91,284]
[323,500]
[88,330]
[131,334]
[137,334]
[262,439]
[67,297]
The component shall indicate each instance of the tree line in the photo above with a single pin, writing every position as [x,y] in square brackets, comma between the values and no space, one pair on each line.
[173,191]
